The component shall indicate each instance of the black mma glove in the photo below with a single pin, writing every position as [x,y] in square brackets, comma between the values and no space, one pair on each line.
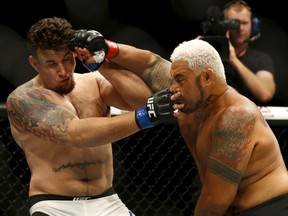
[96,44]
[159,107]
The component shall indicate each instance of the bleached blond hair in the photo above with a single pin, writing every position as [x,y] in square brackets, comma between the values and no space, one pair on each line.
[200,55]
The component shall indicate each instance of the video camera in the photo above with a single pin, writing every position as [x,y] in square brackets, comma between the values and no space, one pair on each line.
[214,30]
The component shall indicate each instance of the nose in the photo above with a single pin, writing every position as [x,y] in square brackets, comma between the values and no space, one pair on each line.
[63,74]
[61,70]
[173,87]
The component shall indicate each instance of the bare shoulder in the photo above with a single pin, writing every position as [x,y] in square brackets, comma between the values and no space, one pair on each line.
[238,126]
[241,110]
[85,76]
[25,93]
[34,109]
[233,138]
[88,84]
[239,115]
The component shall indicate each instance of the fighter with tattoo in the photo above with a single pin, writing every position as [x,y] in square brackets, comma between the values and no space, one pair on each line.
[237,155]
[61,119]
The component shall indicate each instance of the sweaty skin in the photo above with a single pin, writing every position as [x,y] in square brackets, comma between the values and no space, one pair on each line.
[236,152]
[67,138]
[237,155]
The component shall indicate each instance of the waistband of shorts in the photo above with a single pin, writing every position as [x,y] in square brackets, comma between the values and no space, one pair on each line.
[248,211]
[42,197]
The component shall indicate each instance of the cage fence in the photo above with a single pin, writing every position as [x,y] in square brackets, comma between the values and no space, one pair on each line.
[154,173]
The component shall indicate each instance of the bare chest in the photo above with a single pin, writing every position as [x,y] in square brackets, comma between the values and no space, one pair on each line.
[87,101]
[198,139]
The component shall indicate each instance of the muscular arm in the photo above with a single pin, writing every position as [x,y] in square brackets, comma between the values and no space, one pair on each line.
[154,70]
[227,161]
[150,67]
[127,90]
[261,84]
[30,111]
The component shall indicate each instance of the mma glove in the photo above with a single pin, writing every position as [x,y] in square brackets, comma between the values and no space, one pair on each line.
[96,44]
[159,107]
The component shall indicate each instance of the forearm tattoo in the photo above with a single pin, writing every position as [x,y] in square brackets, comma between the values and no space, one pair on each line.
[159,76]
[231,139]
[32,112]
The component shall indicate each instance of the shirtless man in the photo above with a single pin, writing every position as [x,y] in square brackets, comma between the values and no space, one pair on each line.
[61,120]
[237,155]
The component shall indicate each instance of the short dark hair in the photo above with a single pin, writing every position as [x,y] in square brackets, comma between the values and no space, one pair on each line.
[49,33]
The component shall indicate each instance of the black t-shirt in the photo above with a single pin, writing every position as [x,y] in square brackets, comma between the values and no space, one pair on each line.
[255,61]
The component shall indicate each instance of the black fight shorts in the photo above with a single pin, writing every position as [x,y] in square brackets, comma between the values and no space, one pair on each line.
[274,207]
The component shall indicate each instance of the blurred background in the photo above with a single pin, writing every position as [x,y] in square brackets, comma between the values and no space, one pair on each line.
[158,25]
[156,175]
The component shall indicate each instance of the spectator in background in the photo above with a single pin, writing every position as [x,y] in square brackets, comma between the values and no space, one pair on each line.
[248,70]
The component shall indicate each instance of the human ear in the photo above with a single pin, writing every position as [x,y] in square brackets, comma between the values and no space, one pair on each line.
[33,62]
[207,75]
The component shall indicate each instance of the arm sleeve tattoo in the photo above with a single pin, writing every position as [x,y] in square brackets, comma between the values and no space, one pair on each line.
[32,112]
[159,76]
[230,143]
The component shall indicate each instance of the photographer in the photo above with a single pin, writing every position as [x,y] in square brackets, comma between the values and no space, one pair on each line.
[249,71]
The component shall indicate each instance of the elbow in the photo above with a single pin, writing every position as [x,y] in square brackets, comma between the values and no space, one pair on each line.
[265,98]
[218,208]
[268,95]
[213,209]
[75,141]
[153,59]
[213,206]
[71,136]
[71,139]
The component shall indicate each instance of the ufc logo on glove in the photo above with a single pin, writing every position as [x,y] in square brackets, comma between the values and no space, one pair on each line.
[150,106]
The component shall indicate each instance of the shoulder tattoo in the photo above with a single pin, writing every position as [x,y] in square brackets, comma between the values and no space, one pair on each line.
[32,112]
[231,138]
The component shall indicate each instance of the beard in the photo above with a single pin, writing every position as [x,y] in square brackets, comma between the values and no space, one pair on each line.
[190,109]
[64,90]
[192,106]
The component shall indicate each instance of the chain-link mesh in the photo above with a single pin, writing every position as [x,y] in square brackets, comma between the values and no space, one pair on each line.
[155,174]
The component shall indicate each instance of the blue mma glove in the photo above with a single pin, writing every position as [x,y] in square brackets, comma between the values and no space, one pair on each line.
[159,107]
